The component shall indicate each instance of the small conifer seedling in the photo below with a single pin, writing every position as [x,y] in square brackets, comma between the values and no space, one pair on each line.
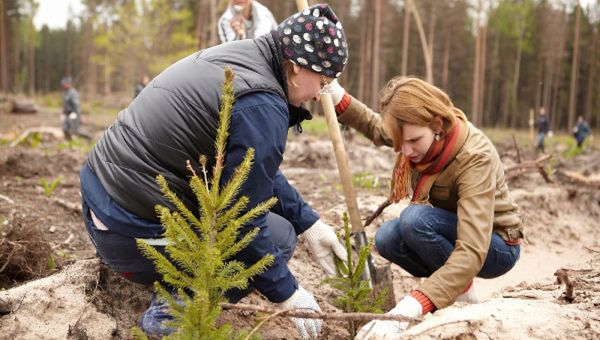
[201,246]
[356,295]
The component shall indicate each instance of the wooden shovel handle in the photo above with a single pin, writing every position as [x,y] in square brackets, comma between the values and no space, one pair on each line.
[340,152]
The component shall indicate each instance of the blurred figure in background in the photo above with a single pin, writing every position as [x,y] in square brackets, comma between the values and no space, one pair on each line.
[245,19]
[71,108]
[543,127]
[581,131]
[139,86]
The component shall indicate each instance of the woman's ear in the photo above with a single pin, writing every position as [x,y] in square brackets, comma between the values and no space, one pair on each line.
[296,69]
[437,125]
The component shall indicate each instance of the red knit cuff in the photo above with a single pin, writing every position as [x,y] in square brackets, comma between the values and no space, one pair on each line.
[343,104]
[426,305]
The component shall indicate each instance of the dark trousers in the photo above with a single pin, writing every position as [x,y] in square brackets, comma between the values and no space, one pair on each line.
[122,254]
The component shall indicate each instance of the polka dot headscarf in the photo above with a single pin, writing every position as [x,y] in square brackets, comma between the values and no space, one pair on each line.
[314,39]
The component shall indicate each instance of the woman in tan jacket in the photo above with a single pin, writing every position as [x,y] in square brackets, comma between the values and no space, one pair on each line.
[461,222]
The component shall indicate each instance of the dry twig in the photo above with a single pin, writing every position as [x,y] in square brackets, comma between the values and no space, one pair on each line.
[377,212]
[562,276]
[7,199]
[318,315]
[520,168]
[74,207]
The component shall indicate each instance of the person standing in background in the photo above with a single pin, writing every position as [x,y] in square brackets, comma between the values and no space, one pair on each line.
[245,19]
[581,131]
[71,108]
[543,127]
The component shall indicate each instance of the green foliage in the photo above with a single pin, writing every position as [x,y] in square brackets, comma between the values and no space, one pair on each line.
[201,249]
[356,295]
[51,263]
[33,140]
[365,180]
[76,143]
[316,126]
[50,186]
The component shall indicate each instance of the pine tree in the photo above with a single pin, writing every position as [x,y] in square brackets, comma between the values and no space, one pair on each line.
[356,295]
[201,266]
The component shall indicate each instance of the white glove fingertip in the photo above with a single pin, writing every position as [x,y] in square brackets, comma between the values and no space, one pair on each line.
[340,251]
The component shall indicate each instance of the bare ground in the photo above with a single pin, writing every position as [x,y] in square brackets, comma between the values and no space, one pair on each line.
[84,300]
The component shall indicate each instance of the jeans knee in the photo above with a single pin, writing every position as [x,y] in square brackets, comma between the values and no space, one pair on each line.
[412,220]
[386,238]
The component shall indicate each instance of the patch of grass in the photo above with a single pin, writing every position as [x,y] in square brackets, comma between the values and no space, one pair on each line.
[365,180]
[504,135]
[51,100]
[76,143]
[316,126]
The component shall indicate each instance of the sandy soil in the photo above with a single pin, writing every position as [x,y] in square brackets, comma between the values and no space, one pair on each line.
[84,300]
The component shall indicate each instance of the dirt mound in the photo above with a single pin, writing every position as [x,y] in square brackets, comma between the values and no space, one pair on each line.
[28,163]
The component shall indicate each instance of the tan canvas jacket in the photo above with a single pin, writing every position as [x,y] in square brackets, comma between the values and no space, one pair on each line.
[474,187]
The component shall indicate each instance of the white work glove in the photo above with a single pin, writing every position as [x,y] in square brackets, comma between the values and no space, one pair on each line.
[337,92]
[301,299]
[324,245]
[470,296]
[381,329]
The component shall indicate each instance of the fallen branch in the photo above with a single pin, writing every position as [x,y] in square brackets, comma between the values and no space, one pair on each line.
[517,148]
[580,179]
[562,276]
[56,132]
[318,315]
[591,249]
[74,207]
[521,168]
[377,212]
[7,199]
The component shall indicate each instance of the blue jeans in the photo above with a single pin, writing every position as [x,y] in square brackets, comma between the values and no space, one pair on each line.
[422,239]
[123,256]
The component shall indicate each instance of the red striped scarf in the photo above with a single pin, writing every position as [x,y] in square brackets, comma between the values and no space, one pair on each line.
[439,155]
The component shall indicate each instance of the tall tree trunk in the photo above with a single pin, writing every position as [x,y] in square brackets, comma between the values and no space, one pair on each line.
[424,46]
[515,84]
[375,73]
[405,37]
[31,67]
[214,39]
[364,54]
[555,104]
[591,77]
[69,48]
[107,75]
[492,109]
[476,68]
[446,60]
[91,79]
[200,24]
[431,34]
[3,54]
[483,56]
[574,69]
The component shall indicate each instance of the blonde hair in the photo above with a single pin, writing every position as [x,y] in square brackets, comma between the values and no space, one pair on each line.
[414,101]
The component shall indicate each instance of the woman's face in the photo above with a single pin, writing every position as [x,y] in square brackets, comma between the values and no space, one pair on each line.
[416,141]
[308,85]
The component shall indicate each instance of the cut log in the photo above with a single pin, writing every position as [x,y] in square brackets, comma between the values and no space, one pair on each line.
[21,106]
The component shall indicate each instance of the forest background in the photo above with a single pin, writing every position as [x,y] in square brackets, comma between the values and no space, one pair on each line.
[498,59]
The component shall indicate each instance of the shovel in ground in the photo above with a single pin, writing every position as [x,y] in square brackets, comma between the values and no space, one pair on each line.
[378,277]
